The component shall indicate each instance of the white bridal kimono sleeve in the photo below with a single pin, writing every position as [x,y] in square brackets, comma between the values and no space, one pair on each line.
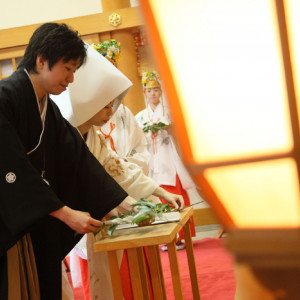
[128,175]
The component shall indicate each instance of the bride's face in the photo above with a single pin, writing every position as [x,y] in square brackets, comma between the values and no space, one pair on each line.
[103,116]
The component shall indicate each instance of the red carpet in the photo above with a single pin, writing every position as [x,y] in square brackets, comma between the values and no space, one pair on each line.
[214,269]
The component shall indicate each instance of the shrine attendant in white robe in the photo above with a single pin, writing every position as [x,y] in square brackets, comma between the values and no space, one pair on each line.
[98,92]
[165,166]
[124,135]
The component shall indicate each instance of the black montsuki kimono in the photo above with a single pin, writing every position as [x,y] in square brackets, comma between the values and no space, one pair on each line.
[76,179]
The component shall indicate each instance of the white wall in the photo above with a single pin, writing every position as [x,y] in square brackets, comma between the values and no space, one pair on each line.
[16,13]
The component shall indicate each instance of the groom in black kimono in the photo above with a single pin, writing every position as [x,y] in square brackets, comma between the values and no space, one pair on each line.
[51,186]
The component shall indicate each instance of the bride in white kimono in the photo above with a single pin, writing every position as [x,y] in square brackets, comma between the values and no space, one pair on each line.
[89,102]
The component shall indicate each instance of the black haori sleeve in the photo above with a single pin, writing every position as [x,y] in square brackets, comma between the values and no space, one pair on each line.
[83,182]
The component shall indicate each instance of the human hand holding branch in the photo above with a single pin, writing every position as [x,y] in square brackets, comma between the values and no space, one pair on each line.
[79,221]
[174,199]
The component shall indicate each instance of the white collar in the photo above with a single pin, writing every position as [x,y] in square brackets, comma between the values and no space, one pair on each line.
[42,105]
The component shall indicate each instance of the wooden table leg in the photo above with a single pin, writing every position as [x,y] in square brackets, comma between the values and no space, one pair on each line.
[138,274]
[219,232]
[174,266]
[157,278]
[115,275]
[191,260]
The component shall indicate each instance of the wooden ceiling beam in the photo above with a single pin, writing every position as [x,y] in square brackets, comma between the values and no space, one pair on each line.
[96,23]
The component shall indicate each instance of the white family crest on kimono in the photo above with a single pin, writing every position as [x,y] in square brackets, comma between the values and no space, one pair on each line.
[165,162]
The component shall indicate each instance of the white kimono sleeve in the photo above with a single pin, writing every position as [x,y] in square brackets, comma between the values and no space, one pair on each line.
[128,175]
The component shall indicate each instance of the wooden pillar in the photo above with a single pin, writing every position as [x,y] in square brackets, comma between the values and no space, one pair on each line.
[127,63]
